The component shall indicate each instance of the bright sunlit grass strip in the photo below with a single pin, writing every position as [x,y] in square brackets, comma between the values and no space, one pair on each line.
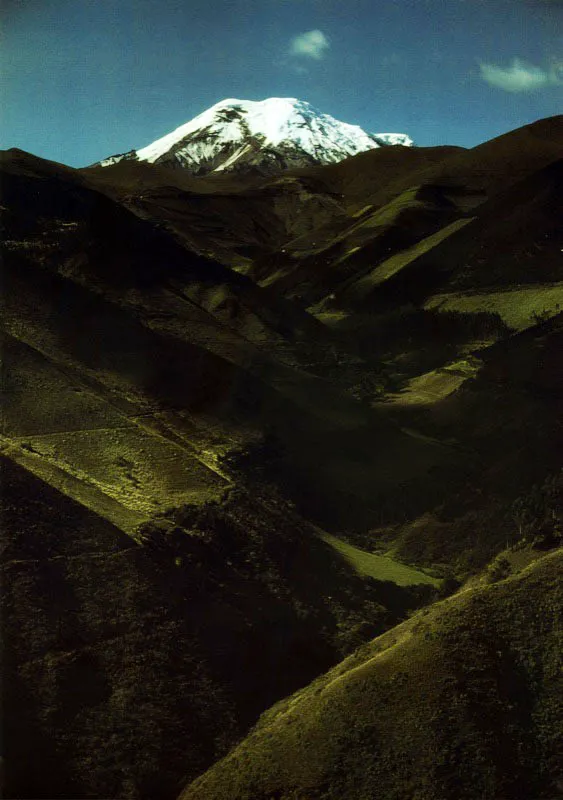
[517,306]
[381,568]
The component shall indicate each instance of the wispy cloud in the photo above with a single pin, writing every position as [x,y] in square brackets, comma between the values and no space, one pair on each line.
[520,76]
[311,44]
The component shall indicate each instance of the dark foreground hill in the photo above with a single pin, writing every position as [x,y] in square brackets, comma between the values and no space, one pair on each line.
[129,667]
[463,701]
[251,423]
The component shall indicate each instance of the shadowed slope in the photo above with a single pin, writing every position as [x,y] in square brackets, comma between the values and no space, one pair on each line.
[490,182]
[461,701]
[504,418]
[163,330]
[151,388]
[123,661]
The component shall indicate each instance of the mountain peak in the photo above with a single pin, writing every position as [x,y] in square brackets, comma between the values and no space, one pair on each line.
[260,135]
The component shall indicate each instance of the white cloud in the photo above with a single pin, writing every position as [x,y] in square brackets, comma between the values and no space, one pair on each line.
[311,44]
[520,76]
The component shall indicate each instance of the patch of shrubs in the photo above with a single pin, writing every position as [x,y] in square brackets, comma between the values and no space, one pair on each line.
[538,514]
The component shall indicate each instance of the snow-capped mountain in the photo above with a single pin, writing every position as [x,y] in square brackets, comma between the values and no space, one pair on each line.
[265,136]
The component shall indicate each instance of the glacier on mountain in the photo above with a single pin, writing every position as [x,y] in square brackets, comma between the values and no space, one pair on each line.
[279,132]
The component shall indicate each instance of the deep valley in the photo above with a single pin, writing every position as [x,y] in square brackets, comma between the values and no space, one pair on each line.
[281,476]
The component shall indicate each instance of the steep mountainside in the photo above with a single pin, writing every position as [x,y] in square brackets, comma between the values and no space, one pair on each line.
[130,666]
[400,215]
[462,701]
[251,421]
[125,385]
[266,136]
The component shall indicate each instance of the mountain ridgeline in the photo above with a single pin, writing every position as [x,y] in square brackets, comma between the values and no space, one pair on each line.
[281,465]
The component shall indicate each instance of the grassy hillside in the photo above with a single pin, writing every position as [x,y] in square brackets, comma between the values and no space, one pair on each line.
[518,308]
[196,358]
[247,425]
[461,701]
[128,660]
[501,418]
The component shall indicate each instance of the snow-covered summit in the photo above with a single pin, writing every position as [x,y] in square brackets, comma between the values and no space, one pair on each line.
[267,135]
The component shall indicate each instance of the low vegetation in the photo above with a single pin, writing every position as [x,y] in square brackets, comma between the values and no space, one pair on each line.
[461,701]
[217,611]
[220,482]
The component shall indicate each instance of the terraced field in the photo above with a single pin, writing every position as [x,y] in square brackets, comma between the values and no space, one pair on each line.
[434,385]
[142,471]
[66,431]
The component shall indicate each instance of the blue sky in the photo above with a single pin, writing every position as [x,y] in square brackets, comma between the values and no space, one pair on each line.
[83,79]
